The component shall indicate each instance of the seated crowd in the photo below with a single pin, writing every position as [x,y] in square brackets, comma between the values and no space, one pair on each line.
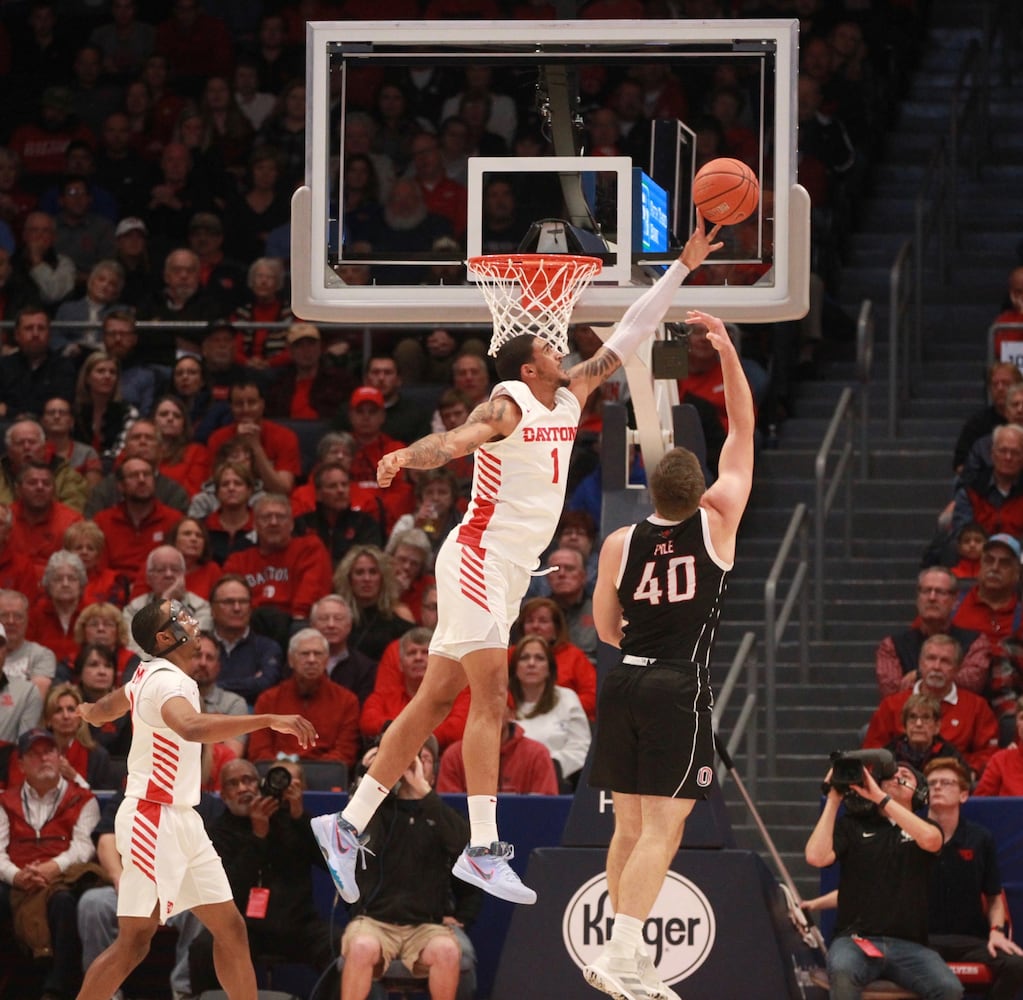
[145,175]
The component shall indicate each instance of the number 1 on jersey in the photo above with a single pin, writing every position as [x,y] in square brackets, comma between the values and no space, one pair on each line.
[557,467]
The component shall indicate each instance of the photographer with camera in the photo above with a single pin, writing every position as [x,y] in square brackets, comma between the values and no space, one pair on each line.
[267,847]
[886,852]
[411,907]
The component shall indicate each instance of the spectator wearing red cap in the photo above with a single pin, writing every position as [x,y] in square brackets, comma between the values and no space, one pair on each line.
[367,413]
[276,458]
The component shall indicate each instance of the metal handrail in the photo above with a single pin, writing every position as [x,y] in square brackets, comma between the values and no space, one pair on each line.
[825,492]
[864,365]
[900,289]
[744,665]
[776,620]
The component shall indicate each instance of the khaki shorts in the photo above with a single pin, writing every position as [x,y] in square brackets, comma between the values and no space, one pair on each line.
[404,941]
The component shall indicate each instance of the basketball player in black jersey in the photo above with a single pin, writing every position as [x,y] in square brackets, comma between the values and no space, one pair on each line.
[658,598]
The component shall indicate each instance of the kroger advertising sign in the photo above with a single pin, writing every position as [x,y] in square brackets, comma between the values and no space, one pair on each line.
[679,932]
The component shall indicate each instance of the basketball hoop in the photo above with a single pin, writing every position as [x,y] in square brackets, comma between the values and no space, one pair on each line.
[532,293]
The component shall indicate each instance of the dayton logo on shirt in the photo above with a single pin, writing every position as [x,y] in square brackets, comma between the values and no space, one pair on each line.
[267,575]
[548,433]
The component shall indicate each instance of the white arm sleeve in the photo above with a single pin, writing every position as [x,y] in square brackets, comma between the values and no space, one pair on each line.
[643,316]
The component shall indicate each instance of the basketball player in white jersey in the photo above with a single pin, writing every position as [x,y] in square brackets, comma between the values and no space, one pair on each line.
[169,863]
[522,438]
[658,599]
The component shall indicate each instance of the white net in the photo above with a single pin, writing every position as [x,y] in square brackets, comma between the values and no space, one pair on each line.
[532,293]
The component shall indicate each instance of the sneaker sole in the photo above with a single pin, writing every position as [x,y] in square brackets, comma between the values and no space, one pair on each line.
[607,984]
[526,898]
[327,831]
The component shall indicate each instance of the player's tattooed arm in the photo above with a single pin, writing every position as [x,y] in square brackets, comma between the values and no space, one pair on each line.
[600,367]
[491,419]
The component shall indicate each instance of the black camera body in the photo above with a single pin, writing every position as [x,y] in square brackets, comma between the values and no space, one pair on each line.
[275,782]
[847,767]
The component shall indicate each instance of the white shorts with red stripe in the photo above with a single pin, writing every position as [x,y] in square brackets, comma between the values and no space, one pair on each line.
[168,860]
[478,599]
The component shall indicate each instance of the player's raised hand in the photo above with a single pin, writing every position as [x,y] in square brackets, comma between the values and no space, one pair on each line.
[716,332]
[299,727]
[387,468]
[85,710]
[699,244]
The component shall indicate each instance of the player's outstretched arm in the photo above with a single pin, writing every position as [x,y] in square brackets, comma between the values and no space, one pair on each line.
[643,317]
[211,727]
[492,419]
[607,608]
[111,706]
[728,495]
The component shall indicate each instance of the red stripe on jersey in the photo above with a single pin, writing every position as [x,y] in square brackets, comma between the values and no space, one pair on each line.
[471,580]
[484,502]
[165,769]
[144,828]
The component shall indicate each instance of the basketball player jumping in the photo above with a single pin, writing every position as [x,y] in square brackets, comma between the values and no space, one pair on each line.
[522,437]
[169,863]
[658,598]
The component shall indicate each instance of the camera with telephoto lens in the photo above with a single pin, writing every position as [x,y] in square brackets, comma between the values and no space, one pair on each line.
[847,767]
[275,782]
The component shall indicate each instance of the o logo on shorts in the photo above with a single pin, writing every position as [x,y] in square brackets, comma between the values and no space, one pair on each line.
[704,776]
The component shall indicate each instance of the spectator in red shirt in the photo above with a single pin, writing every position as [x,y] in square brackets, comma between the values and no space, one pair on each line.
[190,538]
[181,458]
[387,701]
[102,624]
[277,460]
[285,573]
[704,378]
[967,721]
[332,709]
[40,520]
[992,606]
[542,616]
[441,195]
[309,386]
[367,413]
[52,618]
[525,767]
[1004,772]
[17,571]
[195,44]
[139,522]
[86,540]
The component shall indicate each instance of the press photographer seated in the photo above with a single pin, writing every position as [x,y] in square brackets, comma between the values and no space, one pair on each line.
[886,852]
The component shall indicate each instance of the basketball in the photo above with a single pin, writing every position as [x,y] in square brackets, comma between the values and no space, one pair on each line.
[726,191]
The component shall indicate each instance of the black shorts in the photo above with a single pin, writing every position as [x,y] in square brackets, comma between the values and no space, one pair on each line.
[654,734]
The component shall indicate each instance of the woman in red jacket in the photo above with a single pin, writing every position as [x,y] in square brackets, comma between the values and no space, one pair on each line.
[51,621]
[541,616]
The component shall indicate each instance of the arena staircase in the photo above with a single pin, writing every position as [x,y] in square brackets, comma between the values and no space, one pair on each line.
[894,508]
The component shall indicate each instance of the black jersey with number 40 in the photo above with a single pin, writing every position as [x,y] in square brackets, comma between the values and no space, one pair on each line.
[670,585]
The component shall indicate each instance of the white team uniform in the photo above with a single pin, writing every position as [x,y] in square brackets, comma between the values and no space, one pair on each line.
[518,490]
[166,854]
